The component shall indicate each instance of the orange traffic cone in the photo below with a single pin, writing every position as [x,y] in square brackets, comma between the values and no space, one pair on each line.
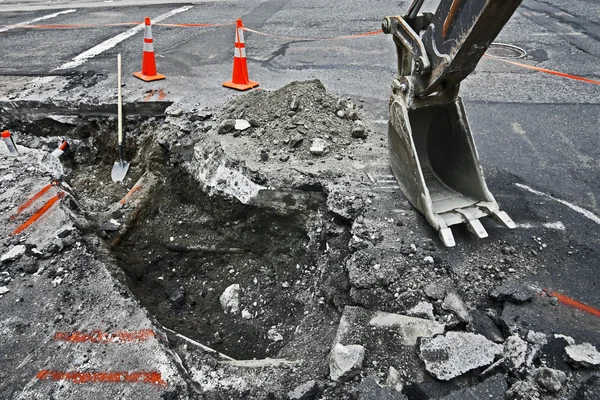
[240,79]
[148,72]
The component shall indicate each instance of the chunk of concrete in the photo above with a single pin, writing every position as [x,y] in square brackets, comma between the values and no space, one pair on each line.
[435,291]
[583,355]
[13,254]
[449,356]
[551,379]
[345,362]
[230,299]
[241,125]
[393,379]
[410,328]
[493,388]
[515,352]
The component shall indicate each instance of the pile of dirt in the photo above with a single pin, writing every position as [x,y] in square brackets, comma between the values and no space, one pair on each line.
[295,118]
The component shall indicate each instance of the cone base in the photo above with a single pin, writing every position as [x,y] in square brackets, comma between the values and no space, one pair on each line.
[147,78]
[241,86]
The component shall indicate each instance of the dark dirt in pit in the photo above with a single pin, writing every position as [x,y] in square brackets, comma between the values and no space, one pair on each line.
[187,248]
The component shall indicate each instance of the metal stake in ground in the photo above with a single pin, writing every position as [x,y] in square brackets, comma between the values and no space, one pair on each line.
[120,168]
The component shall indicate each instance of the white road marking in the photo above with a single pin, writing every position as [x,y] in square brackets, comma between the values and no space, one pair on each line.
[112,42]
[559,226]
[31,21]
[582,211]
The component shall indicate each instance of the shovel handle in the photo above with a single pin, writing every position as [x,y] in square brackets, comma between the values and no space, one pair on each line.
[119,101]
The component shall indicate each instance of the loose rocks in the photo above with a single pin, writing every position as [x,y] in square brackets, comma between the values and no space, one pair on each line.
[318,147]
[453,302]
[422,310]
[513,293]
[452,355]
[358,130]
[226,126]
[345,362]
[493,388]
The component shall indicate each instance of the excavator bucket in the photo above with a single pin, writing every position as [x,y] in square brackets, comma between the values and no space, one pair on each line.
[434,160]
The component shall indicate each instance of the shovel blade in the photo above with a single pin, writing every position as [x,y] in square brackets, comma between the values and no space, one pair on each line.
[119,171]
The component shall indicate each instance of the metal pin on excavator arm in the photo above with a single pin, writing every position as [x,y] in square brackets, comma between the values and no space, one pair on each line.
[432,152]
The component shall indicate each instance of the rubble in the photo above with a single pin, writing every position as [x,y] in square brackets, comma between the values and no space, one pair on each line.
[345,362]
[455,353]
[484,325]
[590,389]
[551,379]
[515,352]
[4,290]
[318,147]
[583,355]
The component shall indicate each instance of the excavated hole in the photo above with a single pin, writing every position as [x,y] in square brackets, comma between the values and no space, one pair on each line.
[184,248]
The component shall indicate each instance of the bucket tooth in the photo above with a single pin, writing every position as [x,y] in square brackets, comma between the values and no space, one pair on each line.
[502,218]
[447,237]
[474,226]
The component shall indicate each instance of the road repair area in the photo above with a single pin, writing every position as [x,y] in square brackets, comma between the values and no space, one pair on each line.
[220,214]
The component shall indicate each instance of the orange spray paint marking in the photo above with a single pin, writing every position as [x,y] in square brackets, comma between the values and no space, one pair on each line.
[153,377]
[39,213]
[105,337]
[161,95]
[149,96]
[576,304]
[546,71]
[35,197]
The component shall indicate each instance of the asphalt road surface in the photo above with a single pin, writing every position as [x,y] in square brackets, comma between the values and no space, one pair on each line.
[537,133]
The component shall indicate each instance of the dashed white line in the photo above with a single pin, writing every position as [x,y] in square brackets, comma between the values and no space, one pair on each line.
[558,225]
[31,21]
[582,211]
[112,42]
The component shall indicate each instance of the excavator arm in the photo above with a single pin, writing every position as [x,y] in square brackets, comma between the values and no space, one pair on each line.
[432,152]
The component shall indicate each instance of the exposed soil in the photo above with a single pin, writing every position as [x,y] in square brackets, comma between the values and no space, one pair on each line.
[270,255]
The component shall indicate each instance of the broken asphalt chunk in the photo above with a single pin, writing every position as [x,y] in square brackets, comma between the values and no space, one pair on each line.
[449,356]
[514,293]
[454,303]
[226,126]
[345,362]
[483,324]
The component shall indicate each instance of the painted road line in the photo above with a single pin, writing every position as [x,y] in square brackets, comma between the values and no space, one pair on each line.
[31,21]
[582,211]
[105,337]
[112,42]
[558,225]
[152,377]
[566,300]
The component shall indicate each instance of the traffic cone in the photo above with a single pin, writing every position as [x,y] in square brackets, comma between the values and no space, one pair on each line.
[240,79]
[148,72]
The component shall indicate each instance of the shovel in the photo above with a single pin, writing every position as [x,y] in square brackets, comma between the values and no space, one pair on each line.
[120,168]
